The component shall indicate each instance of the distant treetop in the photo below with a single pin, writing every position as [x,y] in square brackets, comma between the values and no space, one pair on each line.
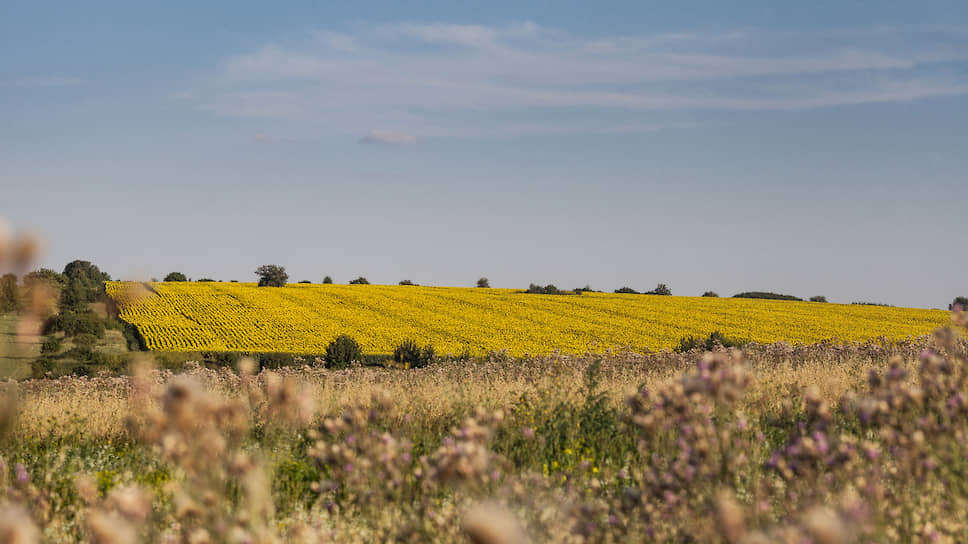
[175,276]
[271,275]
[765,294]
[360,281]
[483,283]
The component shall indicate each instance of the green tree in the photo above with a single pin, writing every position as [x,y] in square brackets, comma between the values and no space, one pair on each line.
[9,293]
[359,281]
[483,283]
[661,289]
[959,301]
[271,275]
[175,276]
[407,282]
[85,283]
[55,279]
[710,294]
[327,279]
[818,298]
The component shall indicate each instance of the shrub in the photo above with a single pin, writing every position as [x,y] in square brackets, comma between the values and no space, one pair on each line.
[207,280]
[627,290]
[9,294]
[274,360]
[342,351]
[51,344]
[175,276]
[549,289]
[660,289]
[818,298]
[711,294]
[271,275]
[586,289]
[766,295]
[409,354]
[716,338]
[360,281]
[327,279]
[483,283]
[407,282]
[305,281]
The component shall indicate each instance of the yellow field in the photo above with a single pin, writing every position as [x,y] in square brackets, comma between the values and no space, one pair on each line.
[302,318]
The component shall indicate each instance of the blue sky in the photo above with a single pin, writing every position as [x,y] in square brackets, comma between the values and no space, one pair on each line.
[810,148]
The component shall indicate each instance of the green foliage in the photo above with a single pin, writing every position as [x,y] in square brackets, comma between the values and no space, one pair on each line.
[55,279]
[660,289]
[711,294]
[208,280]
[327,279]
[549,289]
[959,301]
[222,358]
[586,289]
[10,300]
[873,304]
[175,276]
[627,290]
[73,323]
[305,281]
[716,338]
[274,360]
[406,282]
[51,344]
[359,281]
[818,299]
[483,283]
[342,352]
[410,354]
[85,283]
[765,295]
[271,275]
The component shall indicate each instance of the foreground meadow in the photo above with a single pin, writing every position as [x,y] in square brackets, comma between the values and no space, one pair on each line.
[827,443]
[299,318]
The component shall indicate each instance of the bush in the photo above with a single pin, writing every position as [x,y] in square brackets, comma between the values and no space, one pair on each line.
[327,279]
[50,345]
[716,338]
[549,289]
[56,279]
[410,355]
[818,299]
[360,281]
[10,299]
[343,351]
[274,360]
[766,295]
[483,283]
[407,282]
[711,294]
[271,275]
[175,276]
[660,289]
[627,290]
[206,280]
[305,281]
[586,289]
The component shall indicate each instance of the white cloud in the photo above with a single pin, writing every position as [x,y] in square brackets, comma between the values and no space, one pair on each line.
[378,136]
[444,78]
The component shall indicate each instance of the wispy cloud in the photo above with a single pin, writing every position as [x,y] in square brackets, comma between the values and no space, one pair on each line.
[378,136]
[438,79]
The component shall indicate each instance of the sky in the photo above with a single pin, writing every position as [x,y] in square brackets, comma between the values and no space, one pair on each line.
[807,148]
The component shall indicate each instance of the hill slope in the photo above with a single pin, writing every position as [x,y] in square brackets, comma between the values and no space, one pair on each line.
[303,318]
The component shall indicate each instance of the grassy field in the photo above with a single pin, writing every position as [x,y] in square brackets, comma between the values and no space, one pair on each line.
[827,443]
[299,318]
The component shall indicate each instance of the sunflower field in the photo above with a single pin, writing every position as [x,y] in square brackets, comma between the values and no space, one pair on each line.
[304,318]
